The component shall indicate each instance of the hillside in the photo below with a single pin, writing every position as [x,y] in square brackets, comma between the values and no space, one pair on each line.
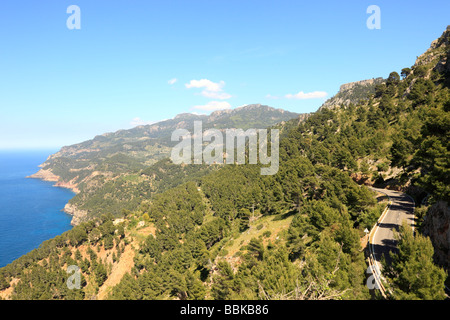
[230,233]
[134,149]
[352,93]
[104,161]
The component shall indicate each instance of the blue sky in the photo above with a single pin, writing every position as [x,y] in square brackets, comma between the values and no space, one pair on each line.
[60,86]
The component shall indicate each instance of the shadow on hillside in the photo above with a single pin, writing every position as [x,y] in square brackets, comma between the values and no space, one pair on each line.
[285,215]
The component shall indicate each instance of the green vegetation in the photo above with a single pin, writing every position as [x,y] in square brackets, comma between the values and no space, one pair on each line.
[353,93]
[227,232]
[126,191]
[131,150]
[100,168]
[412,272]
[177,214]
[42,272]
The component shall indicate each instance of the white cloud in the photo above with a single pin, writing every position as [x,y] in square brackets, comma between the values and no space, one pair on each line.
[213,106]
[172,81]
[310,95]
[211,90]
[205,83]
[139,122]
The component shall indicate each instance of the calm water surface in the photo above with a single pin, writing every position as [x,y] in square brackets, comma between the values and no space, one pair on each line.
[30,209]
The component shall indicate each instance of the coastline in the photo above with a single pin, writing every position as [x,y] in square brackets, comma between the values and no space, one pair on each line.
[32,212]
[46,175]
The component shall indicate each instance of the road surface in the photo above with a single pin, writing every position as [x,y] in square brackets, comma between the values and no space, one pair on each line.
[401,209]
[382,237]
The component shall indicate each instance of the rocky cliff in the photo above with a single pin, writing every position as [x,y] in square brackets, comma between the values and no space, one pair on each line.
[438,54]
[78,215]
[352,92]
[437,227]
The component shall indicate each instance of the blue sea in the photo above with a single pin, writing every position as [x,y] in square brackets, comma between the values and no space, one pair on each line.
[30,209]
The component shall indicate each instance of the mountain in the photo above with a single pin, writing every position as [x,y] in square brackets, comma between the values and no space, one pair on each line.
[436,223]
[142,146]
[352,92]
[89,165]
[230,233]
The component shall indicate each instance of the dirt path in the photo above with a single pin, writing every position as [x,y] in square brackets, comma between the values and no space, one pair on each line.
[6,294]
[124,265]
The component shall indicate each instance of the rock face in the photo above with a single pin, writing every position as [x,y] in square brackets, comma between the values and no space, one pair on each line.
[362,83]
[437,227]
[303,117]
[352,92]
[78,215]
[438,53]
[45,175]
[69,185]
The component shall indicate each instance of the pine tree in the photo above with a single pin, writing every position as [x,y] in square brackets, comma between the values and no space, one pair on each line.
[413,273]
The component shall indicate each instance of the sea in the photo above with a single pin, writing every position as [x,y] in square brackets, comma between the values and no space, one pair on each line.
[30,209]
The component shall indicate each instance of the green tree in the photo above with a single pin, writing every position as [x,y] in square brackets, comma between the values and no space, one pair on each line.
[405,72]
[413,273]
[223,282]
[195,288]
[433,155]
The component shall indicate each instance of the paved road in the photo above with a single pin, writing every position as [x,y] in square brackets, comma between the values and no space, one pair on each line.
[383,241]
[401,209]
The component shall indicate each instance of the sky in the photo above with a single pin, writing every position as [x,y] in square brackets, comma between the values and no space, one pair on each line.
[138,62]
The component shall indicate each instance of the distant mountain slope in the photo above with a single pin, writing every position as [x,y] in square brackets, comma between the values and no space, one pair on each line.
[109,161]
[137,148]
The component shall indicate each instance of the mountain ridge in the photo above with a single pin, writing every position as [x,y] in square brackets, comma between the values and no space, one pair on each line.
[106,157]
[352,93]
